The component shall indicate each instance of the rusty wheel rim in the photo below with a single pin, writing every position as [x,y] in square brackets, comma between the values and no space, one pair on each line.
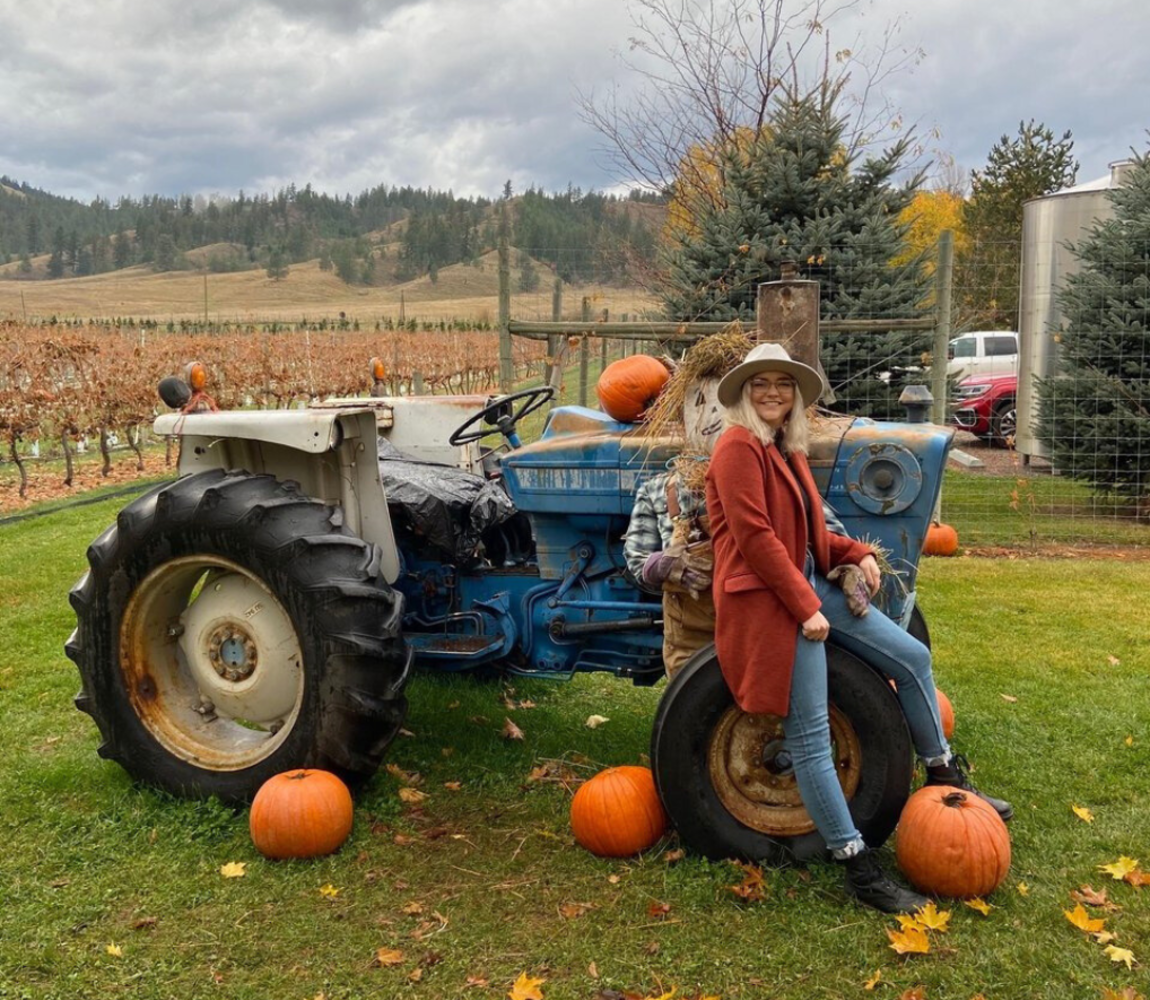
[752,776]
[211,662]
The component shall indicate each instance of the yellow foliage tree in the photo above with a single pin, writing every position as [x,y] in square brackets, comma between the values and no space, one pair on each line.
[928,214]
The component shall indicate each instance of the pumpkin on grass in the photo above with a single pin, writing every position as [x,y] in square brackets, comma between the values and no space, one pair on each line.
[946,713]
[951,843]
[618,813]
[941,540]
[627,387]
[301,814]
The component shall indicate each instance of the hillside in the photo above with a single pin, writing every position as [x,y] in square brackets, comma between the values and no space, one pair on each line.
[460,291]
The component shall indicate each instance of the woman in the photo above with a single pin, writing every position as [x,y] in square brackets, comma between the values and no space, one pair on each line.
[772,555]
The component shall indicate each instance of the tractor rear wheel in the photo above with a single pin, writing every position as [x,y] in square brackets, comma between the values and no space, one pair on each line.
[727,783]
[230,628]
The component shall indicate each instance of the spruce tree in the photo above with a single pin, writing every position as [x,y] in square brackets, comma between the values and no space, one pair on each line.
[1094,414]
[794,195]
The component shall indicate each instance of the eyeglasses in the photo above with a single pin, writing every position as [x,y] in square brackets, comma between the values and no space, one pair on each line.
[784,387]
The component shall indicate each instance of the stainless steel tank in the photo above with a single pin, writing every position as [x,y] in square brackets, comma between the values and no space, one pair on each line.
[1048,223]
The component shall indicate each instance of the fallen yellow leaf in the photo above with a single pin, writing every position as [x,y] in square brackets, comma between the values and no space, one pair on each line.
[595,721]
[1008,697]
[412,909]
[411,795]
[871,983]
[415,975]
[1118,870]
[115,950]
[1082,920]
[453,786]
[932,918]
[1116,954]
[511,732]
[912,941]
[1129,741]
[665,996]
[979,904]
[1104,937]
[1023,889]
[1129,993]
[1083,813]
[386,957]
[1113,660]
[234,869]
[909,923]
[526,988]
[329,891]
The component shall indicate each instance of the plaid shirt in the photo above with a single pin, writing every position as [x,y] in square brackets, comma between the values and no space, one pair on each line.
[650,528]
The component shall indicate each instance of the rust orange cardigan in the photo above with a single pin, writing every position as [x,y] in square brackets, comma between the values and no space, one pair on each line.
[759,533]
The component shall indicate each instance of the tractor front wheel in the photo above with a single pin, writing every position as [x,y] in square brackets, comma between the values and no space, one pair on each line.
[230,628]
[727,782]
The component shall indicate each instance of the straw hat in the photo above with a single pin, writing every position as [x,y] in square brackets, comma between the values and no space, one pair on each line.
[770,358]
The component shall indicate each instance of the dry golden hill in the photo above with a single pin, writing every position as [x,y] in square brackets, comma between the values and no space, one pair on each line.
[461,292]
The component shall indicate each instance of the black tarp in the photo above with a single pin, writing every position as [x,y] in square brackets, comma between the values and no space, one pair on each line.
[451,508]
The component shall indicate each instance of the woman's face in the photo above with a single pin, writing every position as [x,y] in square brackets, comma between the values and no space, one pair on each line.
[773,396]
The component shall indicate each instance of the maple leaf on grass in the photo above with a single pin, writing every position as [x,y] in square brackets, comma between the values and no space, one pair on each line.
[412,796]
[572,910]
[387,957]
[752,887]
[914,993]
[1091,897]
[1104,937]
[1129,993]
[979,904]
[1118,870]
[511,731]
[329,891]
[115,950]
[911,941]
[1083,813]
[1023,889]
[595,721]
[1123,955]
[412,909]
[1137,878]
[932,918]
[526,988]
[658,911]
[1082,920]
[234,869]
[908,922]
[874,980]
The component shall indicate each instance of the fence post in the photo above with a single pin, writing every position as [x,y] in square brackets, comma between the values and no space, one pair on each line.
[417,383]
[506,375]
[584,358]
[552,339]
[944,280]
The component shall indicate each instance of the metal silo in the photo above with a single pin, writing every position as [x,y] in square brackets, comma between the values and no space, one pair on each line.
[1048,223]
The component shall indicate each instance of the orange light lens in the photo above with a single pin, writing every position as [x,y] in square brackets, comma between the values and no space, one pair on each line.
[378,369]
[197,376]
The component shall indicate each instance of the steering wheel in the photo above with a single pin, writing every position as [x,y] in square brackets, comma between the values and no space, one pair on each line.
[501,415]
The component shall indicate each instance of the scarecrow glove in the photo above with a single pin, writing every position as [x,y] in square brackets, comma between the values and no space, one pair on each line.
[853,583]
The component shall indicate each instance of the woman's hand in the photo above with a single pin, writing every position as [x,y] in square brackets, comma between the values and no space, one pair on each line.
[873,575]
[816,628]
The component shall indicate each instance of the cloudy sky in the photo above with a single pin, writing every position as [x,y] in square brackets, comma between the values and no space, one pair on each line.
[109,97]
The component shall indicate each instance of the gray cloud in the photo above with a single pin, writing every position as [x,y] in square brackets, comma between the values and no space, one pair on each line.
[217,95]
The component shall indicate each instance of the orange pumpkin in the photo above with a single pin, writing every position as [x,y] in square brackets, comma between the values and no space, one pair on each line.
[946,712]
[628,386]
[618,813]
[301,814]
[941,540]
[951,843]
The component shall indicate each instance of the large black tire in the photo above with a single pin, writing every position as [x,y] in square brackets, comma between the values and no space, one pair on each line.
[696,711]
[339,667]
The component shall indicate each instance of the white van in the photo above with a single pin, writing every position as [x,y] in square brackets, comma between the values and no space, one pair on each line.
[983,352]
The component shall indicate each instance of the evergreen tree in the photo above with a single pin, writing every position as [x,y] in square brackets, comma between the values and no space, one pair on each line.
[57,262]
[1094,415]
[277,265]
[528,276]
[167,257]
[1028,166]
[32,234]
[121,250]
[794,195]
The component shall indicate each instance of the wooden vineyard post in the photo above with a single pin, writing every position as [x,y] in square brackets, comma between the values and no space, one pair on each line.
[506,374]
[584,358]
[553,340]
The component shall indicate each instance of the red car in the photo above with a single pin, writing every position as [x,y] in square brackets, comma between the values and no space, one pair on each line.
[984,405]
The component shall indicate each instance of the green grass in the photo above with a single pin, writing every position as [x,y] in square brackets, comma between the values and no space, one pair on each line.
[1034,510]
[87,856]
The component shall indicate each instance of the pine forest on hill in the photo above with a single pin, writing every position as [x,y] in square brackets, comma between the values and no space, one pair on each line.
[382,236]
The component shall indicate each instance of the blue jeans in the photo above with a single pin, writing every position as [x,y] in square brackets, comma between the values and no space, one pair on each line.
[880,642]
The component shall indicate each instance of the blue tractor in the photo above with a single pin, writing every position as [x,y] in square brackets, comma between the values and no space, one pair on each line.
[265,610]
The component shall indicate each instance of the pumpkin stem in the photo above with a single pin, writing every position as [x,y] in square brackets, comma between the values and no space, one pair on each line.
[298,775]
[953,799]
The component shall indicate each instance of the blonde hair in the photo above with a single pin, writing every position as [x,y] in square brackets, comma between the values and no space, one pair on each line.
[796,430]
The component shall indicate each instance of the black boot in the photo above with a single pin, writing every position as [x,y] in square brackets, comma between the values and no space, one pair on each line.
[869,884]
[954,774]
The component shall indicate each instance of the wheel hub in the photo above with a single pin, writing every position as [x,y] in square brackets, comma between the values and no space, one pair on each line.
[232,653]
[211,661]
[753,774]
